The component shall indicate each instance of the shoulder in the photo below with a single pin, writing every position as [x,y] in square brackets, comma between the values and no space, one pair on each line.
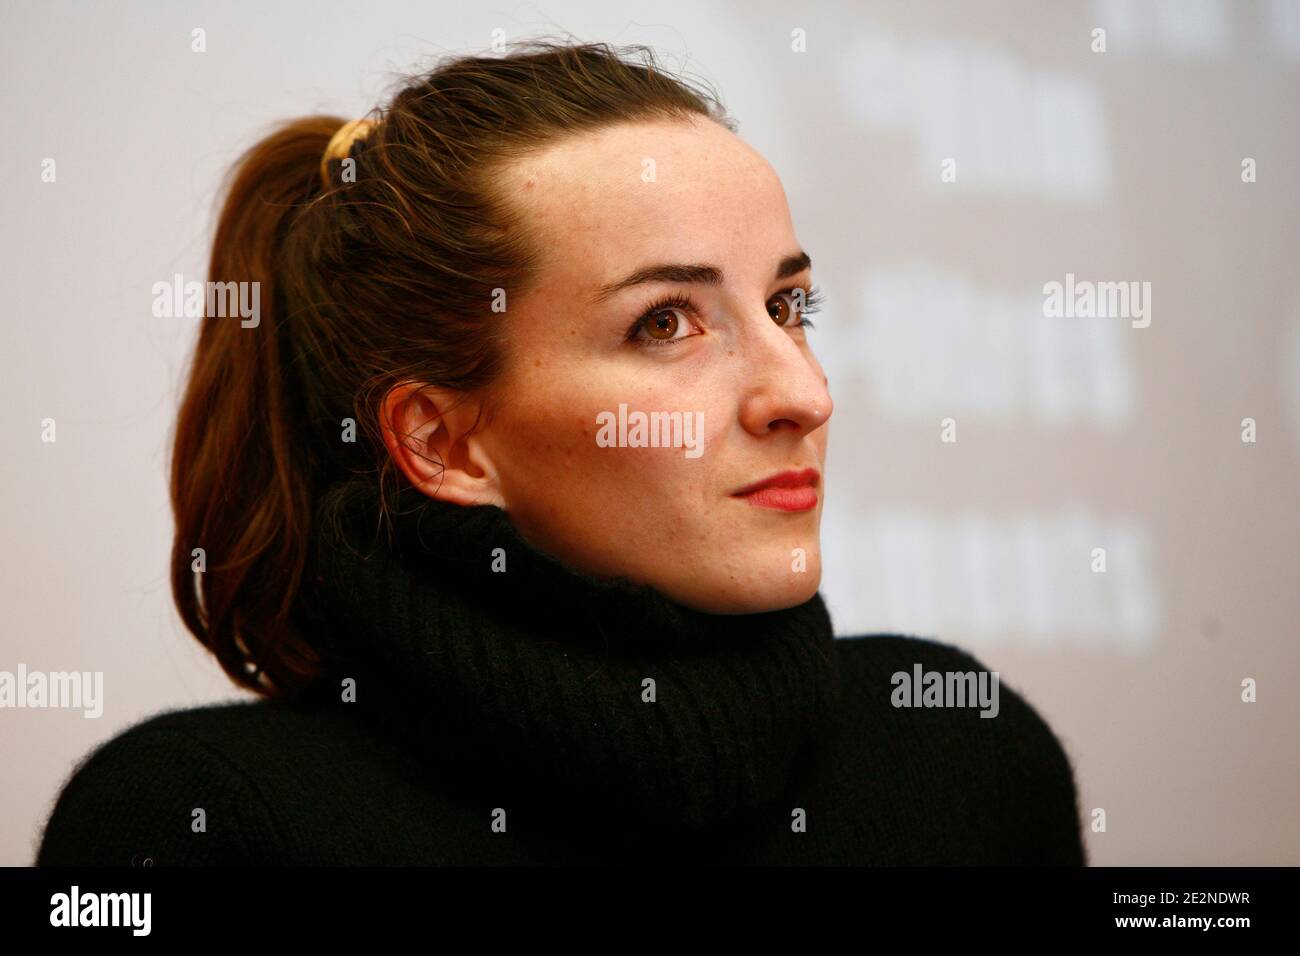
[923,674]
[180,787]
[872,663]
[948,704]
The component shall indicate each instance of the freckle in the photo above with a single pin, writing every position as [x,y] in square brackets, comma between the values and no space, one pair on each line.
[537,363]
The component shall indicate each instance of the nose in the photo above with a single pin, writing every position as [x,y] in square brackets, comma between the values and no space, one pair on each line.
[785,387]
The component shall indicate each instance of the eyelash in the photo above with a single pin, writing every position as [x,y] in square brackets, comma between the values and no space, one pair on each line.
[812,303]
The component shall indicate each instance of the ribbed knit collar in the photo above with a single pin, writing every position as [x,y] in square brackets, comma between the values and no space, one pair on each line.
[528,685]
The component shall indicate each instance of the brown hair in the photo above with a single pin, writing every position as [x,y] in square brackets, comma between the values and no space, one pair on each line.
[363,284]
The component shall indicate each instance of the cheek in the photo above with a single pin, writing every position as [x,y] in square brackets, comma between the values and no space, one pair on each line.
[546,439]
[551,459]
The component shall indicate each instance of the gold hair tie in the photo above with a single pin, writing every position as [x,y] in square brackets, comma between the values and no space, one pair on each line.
[340,145]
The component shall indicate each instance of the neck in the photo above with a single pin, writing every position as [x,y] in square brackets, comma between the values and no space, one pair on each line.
[548,689]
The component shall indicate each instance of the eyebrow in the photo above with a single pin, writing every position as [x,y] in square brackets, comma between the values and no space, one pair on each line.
[692,273]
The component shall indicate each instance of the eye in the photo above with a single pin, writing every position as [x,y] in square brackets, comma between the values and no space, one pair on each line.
[795,302]
[666,322]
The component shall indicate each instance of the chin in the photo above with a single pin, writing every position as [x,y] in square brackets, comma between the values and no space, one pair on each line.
[775,593]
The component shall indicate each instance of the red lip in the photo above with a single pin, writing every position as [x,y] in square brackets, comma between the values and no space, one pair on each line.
[786,479]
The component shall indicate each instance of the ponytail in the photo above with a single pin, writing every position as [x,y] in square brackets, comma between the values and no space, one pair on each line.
[242,480]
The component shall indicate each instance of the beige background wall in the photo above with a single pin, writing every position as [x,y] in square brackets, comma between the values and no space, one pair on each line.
[1072,433]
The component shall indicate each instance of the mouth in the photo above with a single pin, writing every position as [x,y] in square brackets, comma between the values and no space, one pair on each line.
[794,490]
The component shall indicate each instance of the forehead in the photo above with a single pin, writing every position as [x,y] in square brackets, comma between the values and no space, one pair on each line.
[602,202]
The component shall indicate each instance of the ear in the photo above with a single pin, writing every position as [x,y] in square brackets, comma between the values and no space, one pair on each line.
[430,434]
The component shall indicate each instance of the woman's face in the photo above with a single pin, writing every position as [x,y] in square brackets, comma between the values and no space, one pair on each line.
[627,218]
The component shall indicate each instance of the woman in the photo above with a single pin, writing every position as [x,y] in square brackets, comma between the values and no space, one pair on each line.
[508,507]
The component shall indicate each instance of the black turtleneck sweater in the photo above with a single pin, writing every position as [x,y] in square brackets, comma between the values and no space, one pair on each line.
[486,704]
